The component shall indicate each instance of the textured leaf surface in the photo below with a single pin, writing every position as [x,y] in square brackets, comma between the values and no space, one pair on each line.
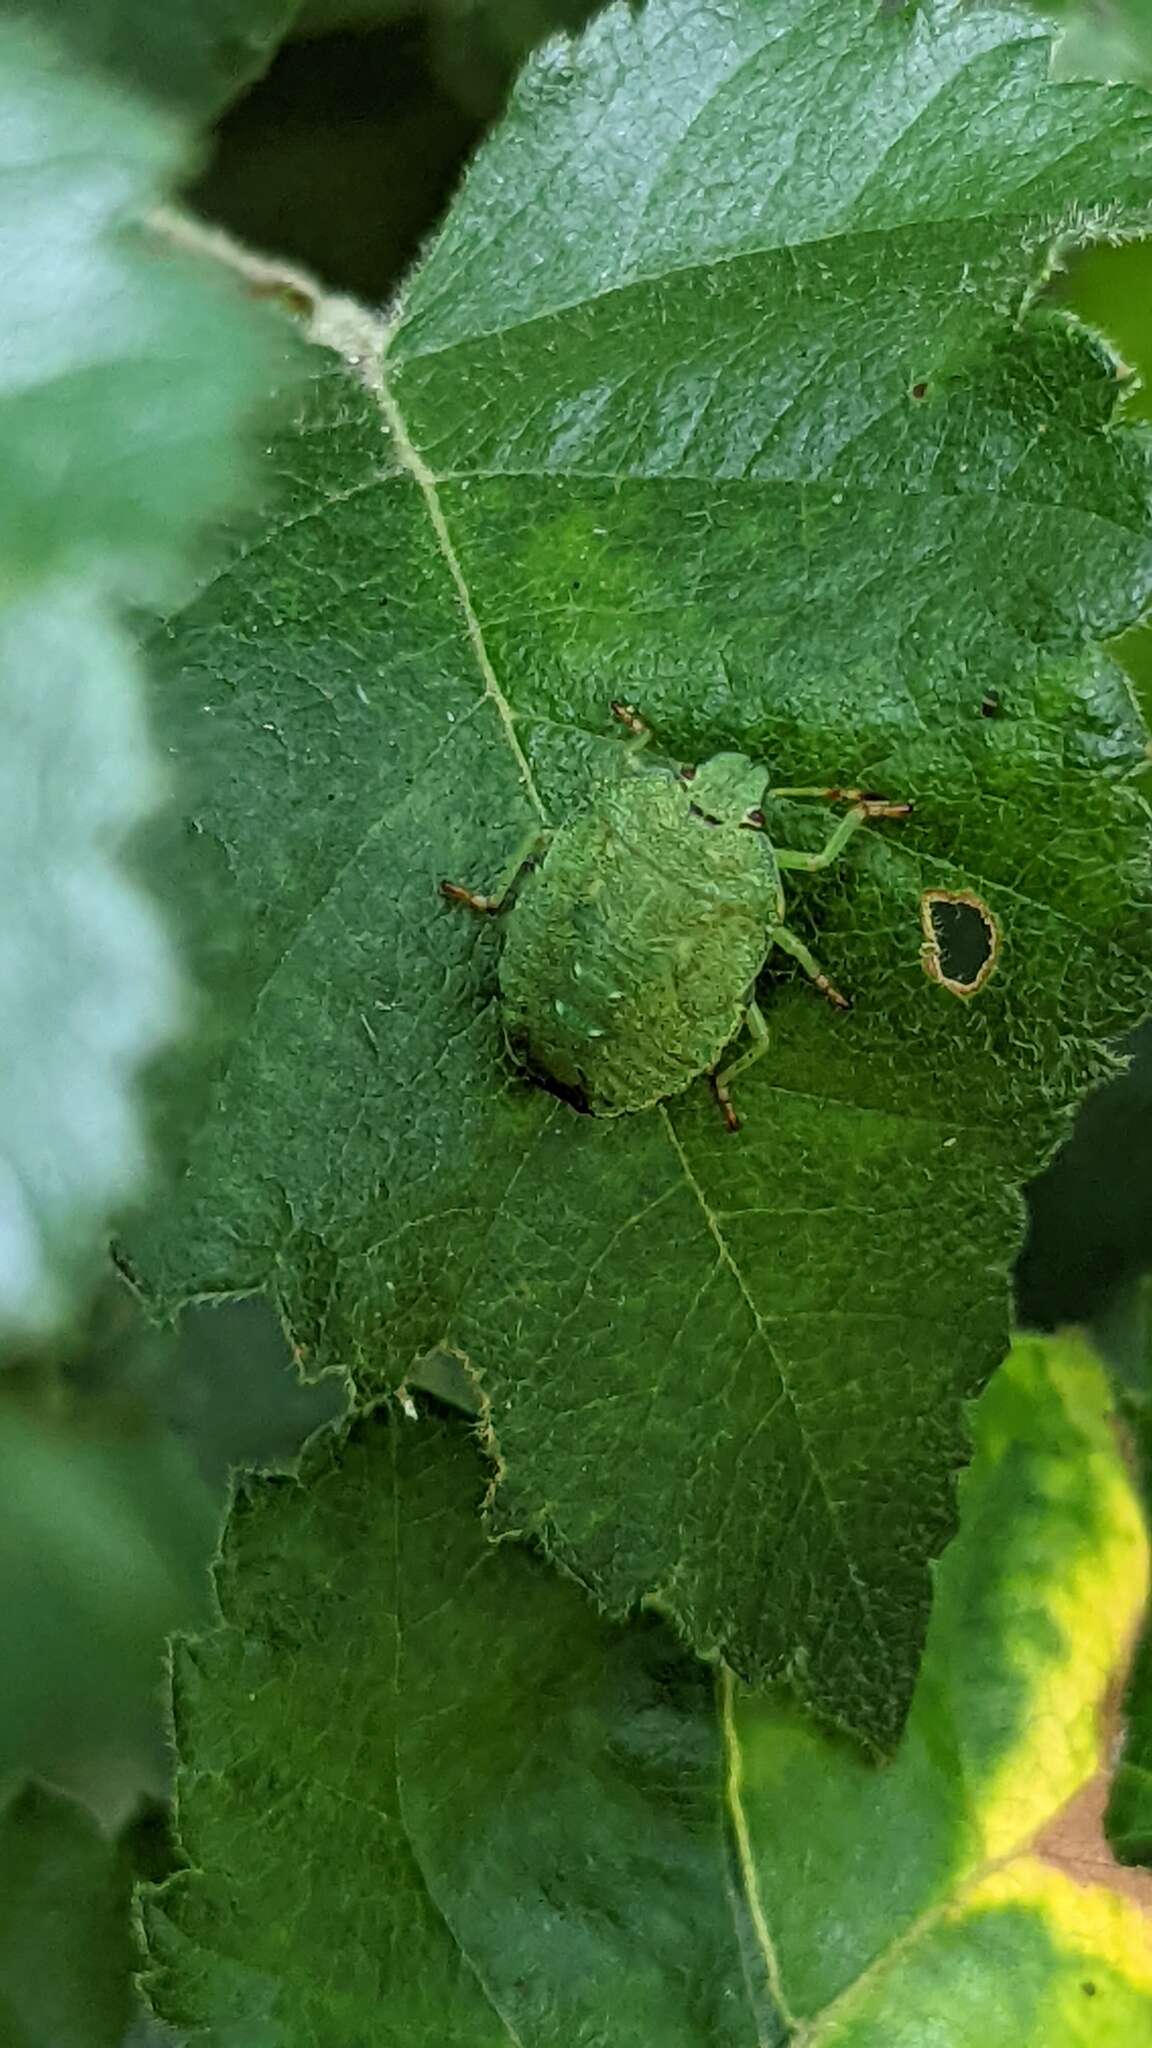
[66,1957]
[121,383]
[195,56]
[768,437]
[429,1796]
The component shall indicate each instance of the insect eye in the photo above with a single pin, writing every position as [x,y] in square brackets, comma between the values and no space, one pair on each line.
[687,775]
[755,820]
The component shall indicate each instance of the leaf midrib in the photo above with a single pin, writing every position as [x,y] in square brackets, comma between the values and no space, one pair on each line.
[712,1220]
[410,459]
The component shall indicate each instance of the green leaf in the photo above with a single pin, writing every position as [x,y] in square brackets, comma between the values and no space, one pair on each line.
[124,378]
[427,1795]
[776,441]
[510,1685]
[194,57]
[66,1954]
[116,1462]
[1129,1817]
[1090,1222]
[1109,39]
[1130,1804]
[106,1536]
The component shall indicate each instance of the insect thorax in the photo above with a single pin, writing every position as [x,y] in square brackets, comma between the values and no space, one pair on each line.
[728,787]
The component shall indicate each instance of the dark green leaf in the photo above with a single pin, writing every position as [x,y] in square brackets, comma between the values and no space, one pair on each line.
[116,1459]
[234,1395]
[1091,1212]
[66,1954]
[106,1533]
[440,1768]
[195,55]
[429,1797]
[1130,1805]
[776,440]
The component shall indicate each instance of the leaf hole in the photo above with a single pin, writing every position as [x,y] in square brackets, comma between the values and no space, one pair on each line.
[961,940]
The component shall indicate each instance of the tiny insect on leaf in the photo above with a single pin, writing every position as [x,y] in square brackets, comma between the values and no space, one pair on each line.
[633,951]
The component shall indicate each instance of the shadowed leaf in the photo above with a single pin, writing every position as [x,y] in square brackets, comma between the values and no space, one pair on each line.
[428,1796]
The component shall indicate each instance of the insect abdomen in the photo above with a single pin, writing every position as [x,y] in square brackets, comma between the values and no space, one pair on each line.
[631,952]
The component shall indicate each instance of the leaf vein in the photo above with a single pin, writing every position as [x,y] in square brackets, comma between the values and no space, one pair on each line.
[410,458]
[429,1892]
[761,1325]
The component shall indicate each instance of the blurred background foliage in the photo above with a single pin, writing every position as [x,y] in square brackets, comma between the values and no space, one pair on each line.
[116,1457]
[345,154]
[1105,39]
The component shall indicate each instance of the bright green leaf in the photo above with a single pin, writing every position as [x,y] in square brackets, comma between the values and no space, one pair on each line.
[195,56]
[66,1954]
[123,378]
[775,440]
[427,1795]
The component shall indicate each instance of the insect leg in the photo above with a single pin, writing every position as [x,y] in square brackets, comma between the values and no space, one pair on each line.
[789,943]
[829,796]
[632,722]
[501,897]
[874,806]
[860,814]
[756,1050]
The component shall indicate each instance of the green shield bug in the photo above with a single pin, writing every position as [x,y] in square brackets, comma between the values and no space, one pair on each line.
[633,948]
